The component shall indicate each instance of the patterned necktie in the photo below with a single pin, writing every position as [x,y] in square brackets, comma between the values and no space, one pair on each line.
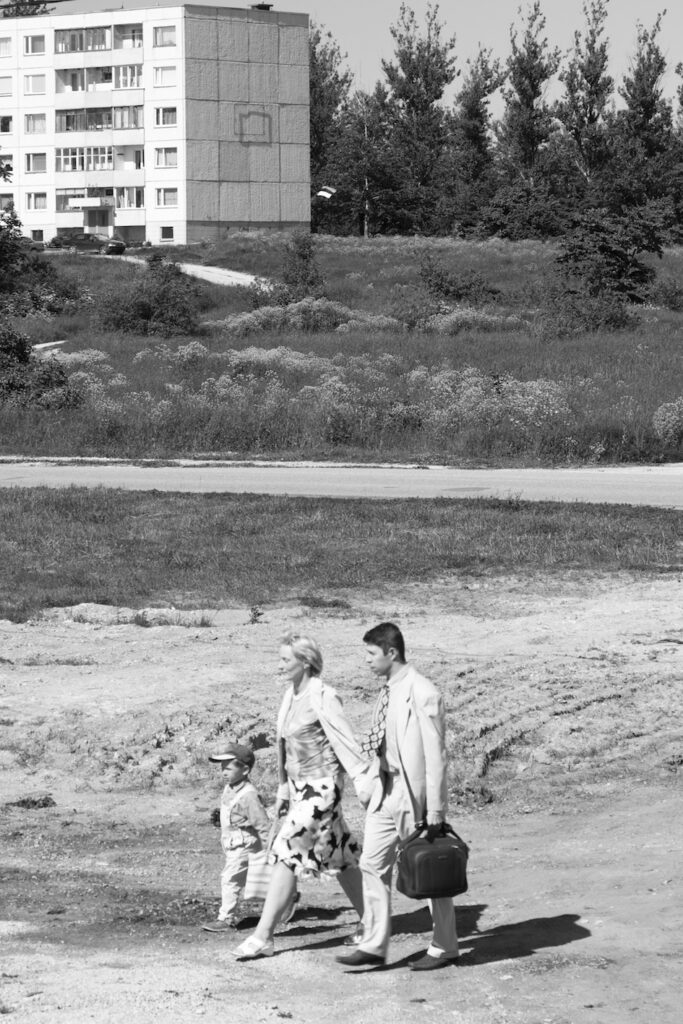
[373,740]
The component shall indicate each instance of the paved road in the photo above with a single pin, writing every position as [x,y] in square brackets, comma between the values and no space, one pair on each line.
[660,486]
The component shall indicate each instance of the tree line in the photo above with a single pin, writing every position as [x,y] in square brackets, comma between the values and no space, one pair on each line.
[402,160]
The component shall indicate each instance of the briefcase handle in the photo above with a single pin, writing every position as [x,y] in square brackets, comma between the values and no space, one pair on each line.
[433,832]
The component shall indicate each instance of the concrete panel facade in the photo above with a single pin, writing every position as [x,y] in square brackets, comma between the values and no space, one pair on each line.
[295,124]
[293,84]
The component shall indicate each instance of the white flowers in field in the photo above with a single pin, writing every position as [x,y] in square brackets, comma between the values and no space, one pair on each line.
[668,422]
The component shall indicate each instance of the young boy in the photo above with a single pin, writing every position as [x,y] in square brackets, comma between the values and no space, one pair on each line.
[244,827]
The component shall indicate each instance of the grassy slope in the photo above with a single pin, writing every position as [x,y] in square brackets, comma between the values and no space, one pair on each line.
[615,380]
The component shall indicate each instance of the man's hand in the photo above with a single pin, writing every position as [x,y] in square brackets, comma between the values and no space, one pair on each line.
[434,821]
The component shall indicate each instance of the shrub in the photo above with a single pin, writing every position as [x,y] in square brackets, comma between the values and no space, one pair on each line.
[15,349]
[464,318]
[667,423]
[566,310]
[668,292]
[300,272]
[442,282]
[310,315]
[603,252]
[164,302]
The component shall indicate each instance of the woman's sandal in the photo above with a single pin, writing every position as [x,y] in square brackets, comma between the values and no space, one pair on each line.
[252,948]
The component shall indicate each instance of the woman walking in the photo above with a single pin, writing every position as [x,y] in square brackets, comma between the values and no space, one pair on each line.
[315,747]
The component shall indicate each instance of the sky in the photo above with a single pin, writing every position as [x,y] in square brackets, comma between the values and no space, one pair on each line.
[361,28]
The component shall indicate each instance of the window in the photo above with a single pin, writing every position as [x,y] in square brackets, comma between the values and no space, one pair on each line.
[97,78]
[167,197]
[165,116]
[79,39]
[64,196]
[164,35]
[36,200]
[34,44]
[7,162]
[166,234]
[139,159]
[35,124]
[70,121]
[97,119]
[129,198]
[34,85]
[5,125]
[37,234]
[128,117]
[128,76]
[88,158]
[5,46]
[5,86]
[6,199]
[36,163]
[127,37]
[165,76]
[166,157]
[99,158]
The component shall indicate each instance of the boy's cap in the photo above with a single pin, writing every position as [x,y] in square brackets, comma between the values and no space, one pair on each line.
[235,752]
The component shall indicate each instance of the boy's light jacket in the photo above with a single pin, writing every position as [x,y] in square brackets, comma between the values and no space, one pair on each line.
[328,708]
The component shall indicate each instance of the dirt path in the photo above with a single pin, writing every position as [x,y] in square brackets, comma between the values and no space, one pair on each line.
[565,712]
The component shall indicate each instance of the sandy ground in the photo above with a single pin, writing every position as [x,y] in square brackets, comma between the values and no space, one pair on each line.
[566,724]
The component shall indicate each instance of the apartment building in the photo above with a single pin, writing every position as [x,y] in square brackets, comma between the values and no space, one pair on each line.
[168,123]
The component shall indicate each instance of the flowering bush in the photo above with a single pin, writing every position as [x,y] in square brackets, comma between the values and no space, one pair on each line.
[667,423]
[307,315]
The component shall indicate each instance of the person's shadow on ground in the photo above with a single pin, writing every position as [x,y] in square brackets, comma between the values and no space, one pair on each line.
[523,938]
[504,942]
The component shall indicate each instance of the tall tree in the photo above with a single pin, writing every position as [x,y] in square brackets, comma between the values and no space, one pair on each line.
[587,91]
[473,115]
[648,114]
[420,130]
[473,150]
[330,83]
[26,9]
[527,121]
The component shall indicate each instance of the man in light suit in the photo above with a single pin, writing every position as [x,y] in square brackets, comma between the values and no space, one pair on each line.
[408,739]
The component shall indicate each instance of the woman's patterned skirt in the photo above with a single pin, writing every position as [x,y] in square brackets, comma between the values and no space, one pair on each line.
[314,839]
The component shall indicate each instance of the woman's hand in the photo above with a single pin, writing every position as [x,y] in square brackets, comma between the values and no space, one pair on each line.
[281,808]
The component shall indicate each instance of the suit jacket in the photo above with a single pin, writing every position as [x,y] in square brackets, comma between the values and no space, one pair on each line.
[421,738]
[328,707]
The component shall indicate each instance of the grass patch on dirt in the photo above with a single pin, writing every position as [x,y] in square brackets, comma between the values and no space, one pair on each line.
[63,547]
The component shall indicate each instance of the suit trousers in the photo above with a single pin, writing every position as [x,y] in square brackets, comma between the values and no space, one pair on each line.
[392,821]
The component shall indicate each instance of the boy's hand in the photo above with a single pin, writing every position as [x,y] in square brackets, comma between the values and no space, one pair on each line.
[215,817]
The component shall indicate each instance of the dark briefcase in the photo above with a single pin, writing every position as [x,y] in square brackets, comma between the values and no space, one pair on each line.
[432,868]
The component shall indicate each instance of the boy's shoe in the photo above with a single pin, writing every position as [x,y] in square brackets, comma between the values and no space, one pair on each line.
[290,910]
[226,924]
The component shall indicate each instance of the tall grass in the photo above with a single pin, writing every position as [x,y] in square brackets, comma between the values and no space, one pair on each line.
[63,547]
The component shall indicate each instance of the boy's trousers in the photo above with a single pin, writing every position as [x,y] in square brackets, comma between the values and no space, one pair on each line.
[233,879]
[393,820]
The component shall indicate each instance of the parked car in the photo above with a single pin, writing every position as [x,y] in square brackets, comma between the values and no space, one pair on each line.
[31,244]
[85,242]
